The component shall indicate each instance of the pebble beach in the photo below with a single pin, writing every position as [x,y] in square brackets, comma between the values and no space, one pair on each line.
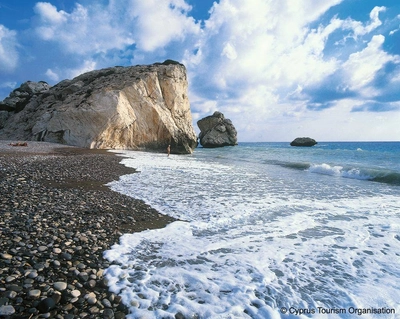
[57,217]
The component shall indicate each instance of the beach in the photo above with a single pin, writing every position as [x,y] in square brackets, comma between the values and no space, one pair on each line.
[57,218]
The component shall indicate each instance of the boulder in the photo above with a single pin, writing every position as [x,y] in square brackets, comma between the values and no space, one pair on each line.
[21,96]
[140,107]
[216,131]
[303,141]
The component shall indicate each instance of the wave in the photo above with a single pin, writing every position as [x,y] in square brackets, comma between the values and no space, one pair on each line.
[380,175]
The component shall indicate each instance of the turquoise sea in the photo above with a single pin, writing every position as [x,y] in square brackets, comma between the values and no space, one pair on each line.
[265,230]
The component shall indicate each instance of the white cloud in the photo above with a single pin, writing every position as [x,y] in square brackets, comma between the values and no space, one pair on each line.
[256,59]
[8,85]
[8,49]
[86,30]
[53,76]
[86,66]
[160,22]
[49,14]
[149,25]
[259,46]
[361,67]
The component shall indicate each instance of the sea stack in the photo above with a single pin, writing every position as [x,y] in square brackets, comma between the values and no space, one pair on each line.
[303,141]
[139,107]
[217,131]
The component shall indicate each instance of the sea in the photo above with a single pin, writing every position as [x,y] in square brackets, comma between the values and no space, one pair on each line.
[264,230]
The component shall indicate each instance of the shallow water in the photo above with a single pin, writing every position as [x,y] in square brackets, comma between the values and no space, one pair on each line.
[266,231]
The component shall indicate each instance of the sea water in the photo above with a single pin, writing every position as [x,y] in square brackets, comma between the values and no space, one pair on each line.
[265,230]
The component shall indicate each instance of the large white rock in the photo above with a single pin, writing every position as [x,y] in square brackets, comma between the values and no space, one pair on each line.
[140,107]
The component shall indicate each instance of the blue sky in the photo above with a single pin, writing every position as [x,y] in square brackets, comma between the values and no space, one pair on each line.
[278,69]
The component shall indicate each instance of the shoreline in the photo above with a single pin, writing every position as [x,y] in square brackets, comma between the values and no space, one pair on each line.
[57,218]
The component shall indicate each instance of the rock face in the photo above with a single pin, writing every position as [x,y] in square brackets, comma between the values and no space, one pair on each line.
[303,141]
[139,107]
[216,131]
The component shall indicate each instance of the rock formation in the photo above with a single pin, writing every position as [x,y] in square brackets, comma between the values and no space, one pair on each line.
[303,141]
[216,131]
[138,107]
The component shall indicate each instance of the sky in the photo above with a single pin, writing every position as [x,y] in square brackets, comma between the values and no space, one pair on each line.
[278,69]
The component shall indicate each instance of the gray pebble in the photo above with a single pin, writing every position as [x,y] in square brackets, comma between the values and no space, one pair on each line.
[35,293]
[60,286]
[106,303]
[6,256]
[7,310]
[75,293]
[108,314]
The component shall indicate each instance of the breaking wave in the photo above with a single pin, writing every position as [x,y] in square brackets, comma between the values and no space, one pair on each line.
[380,175]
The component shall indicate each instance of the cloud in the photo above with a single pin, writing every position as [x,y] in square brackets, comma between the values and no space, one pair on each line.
[157,23]
[53,76]
[8,85]
[93,29]
[254,46]
[86,30]
[377,107]
[8,50]
[256,61]
[86,66]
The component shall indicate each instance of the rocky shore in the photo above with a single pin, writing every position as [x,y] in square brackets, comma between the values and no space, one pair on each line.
[56,219]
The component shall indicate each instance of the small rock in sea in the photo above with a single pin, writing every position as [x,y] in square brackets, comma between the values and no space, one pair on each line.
[42,248]
[46,305]
[56,250]
[7,310]
[60,286]
[179,315]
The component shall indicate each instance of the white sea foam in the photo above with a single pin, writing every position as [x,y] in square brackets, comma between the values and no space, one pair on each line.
[255,238]
[336,170]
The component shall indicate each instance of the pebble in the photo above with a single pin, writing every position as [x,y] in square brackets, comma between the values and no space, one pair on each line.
[53,235]
[6,256]
[46,305]
[92,300]
[60,286]
[7,310]
[108,314]
[34,293]
[57,250]
[75,293]
[106,303]
[11,294]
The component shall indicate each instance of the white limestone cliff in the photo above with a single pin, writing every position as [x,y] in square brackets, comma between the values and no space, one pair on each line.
[140,107]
